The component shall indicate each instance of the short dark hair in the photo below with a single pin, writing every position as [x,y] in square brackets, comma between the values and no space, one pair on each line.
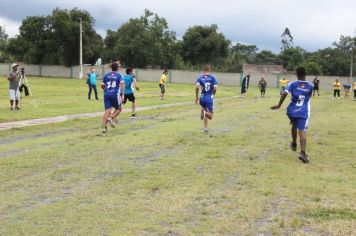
[300,72]
[165,71]
[128,70]
[207,67]
[114,66]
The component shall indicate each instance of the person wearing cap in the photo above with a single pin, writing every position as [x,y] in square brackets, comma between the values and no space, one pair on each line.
[14,79]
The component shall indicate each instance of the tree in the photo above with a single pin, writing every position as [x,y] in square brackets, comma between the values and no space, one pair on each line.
[245,53]
[203,44]
[287,39]
[345,43]
[296,60]
[312,68]
[54,39]
[142,42]
[3,42]
[66,36]
[266,57]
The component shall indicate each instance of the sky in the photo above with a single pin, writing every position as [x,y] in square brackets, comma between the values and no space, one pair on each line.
[314,24]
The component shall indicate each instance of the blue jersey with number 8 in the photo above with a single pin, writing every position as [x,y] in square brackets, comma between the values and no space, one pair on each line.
[207,83]
[112,82]
[301,92]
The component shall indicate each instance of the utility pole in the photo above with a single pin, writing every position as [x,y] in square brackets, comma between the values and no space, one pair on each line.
[81,48]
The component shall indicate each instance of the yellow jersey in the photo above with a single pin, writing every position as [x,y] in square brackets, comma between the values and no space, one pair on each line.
[163,79]
[337,85]
[354,85]
[284,82]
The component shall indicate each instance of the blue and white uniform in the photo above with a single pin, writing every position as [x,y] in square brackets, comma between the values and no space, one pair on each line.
[207,83]
[112,81]
[298,110]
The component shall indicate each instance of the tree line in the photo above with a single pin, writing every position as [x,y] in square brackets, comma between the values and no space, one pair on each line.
[147,42]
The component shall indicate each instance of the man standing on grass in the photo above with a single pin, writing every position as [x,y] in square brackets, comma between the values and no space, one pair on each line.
[14,79]
[262,85]
[316,83]
[208,85]
[298,110]
[91,81]
[163,83]
[112,81]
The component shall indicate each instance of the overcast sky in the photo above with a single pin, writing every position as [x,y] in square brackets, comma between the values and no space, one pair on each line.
[314,24]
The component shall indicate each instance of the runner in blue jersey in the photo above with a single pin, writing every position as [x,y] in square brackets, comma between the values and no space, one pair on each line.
[112,82]
[130,85]
[208,85]
[298,110]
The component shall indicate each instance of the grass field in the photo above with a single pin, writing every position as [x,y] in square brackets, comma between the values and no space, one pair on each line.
[160,175]
[70,96]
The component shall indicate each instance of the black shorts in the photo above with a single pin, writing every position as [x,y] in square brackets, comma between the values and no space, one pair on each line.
[316,87]
[163,88]
[130,97]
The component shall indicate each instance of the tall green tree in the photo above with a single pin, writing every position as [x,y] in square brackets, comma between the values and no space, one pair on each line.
[3,44]
[204,44]
[286,55]
[142,42]
[245,53]
[266,57]
[312,67]
[287,39]
[54,39]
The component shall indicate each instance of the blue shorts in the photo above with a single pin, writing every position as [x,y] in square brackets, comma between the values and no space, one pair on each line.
[112,100]
[300,123]
[207,103]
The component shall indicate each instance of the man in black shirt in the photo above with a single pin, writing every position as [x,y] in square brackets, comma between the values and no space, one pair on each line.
[316,83]
[262,85]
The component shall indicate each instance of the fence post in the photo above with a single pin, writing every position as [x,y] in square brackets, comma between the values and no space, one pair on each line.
[277,81]
[40,70]
[9,67]
[241,78]
[71,72]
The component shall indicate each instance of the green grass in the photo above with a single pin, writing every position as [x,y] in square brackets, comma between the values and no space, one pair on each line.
[70,96]
[159,175]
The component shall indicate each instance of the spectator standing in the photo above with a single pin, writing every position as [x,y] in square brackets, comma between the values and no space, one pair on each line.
[93,75]
[337,87]
[283,83]
[316,83]
[262,85]
[14,79]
